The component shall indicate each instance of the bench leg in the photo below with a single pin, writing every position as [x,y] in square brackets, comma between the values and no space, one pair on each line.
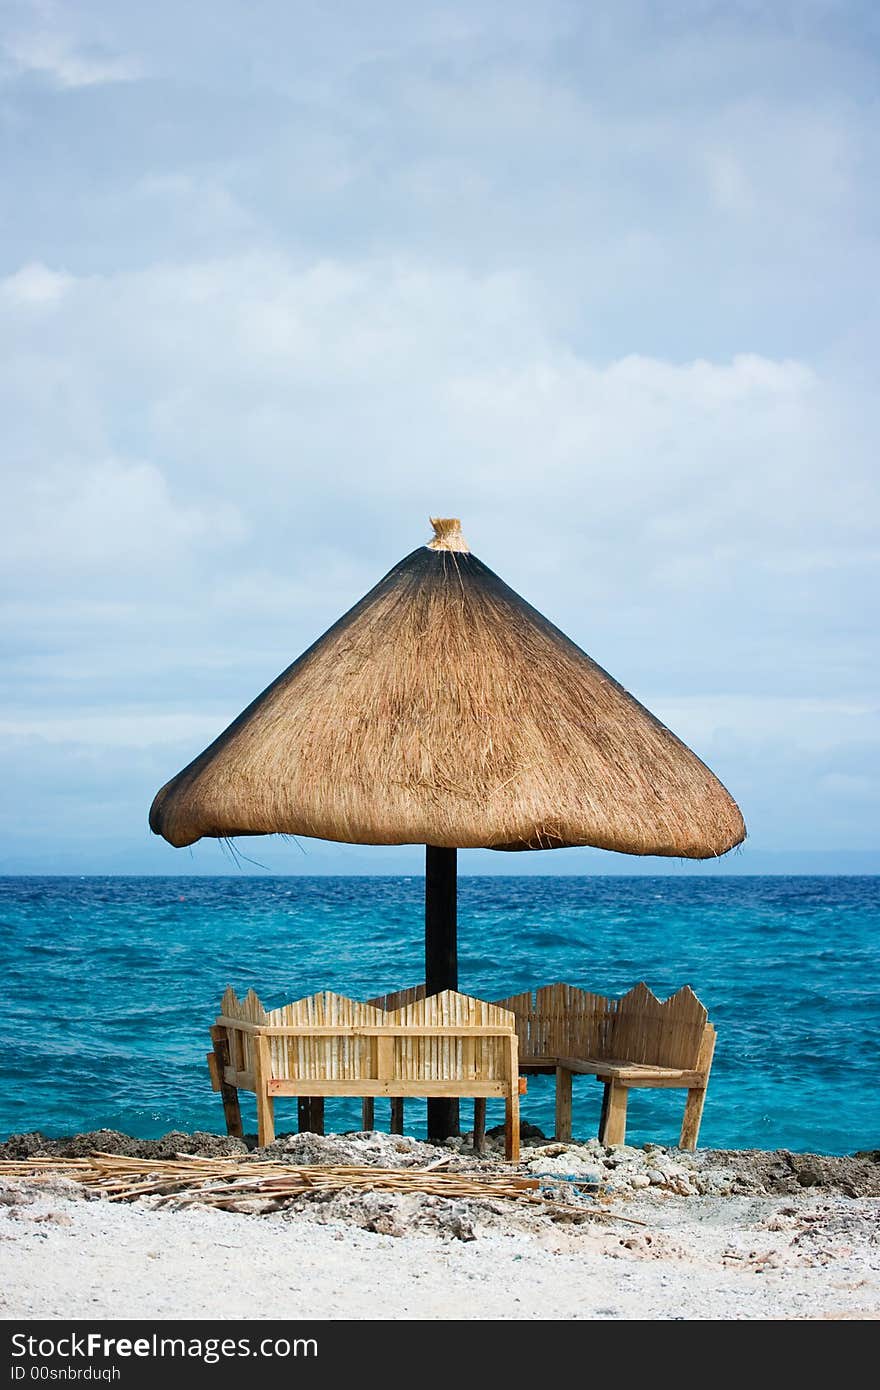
[696,1097]
[265,1103]
[265,1119]
[563,1105]
[604,1113]
[368,1113]
[397,1114]
[612,1128]
[228,1094]
[511,1128]
[693,1114]
[479,1124]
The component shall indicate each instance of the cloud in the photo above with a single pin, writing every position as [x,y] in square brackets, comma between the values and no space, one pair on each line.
[394,377]
[105,518]
[815,726]
[599,280]
[252,371]
[312,414]
[65,61]
[97,730]
[35,285]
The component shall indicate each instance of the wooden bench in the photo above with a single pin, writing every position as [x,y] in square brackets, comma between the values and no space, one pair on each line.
[634,1041]
[329,1045]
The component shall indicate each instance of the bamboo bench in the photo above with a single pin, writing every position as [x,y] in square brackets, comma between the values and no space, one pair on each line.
[329,1045]
[634,1041]
[627,1043]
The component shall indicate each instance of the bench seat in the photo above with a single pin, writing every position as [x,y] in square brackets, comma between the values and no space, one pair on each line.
[632,1073]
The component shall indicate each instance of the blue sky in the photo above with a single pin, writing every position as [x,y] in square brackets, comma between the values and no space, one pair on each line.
[279,280]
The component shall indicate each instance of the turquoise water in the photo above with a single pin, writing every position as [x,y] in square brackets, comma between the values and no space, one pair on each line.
[112,983]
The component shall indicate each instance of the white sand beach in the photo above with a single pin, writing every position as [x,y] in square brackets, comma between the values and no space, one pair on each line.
[715,1251]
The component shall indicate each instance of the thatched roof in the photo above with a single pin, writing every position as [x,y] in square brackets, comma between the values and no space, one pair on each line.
[443,709]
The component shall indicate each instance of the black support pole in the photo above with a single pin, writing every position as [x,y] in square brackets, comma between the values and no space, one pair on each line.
[441,959]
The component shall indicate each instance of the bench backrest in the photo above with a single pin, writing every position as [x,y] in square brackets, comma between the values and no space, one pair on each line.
[563,1021]
[327,1036]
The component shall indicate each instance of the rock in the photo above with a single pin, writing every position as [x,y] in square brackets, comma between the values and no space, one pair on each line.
[15,1196]
[383,1150]
[530,1131]
[748,1172]
[809,1177]
[623,1153]
[394,1214]
[460,1228]
[26,1145]
[777,1172]
[682,1186]
[101,1140]
[111,1141]
[557,1161]
[199,1142]
[640,1180]
[557,1170]
[716,1182]
[526,1131]
[616,1185]
[36,1144]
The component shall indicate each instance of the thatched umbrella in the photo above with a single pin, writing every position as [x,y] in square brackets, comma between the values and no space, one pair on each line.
[444,710]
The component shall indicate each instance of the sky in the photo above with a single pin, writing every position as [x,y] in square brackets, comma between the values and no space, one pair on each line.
[279,280]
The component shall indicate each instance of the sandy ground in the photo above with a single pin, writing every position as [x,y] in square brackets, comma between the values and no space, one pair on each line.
[806,1253]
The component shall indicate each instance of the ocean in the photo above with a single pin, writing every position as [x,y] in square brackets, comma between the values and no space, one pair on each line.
[112,984]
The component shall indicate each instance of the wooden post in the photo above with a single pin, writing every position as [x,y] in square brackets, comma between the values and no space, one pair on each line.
[368,1113]
[441,961]
[563,1105]
[603,1116]
[693,1114]
[613,1129]
[265,1103]
[310,1114]
[511,1127]
[511,1108]
[696,1098]
[228,1094]
[479,1124]
[397,1114]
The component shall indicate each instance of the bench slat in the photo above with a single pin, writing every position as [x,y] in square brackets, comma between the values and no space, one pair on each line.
[370,1086]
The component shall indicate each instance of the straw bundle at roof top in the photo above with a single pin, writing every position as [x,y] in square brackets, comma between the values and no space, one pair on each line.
[444,710]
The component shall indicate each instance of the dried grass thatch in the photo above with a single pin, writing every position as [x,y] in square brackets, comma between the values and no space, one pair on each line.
[443,709]
[259,1185]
